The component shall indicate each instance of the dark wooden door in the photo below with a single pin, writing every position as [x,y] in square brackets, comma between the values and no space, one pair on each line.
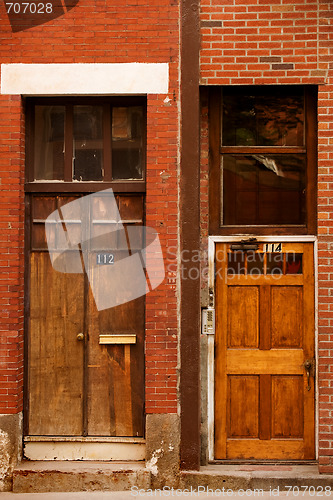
[77,385]
[264,398]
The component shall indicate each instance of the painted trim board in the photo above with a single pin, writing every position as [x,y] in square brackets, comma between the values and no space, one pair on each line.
[66,450]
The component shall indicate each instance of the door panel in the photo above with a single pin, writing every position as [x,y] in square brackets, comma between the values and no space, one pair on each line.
[55,355]
[286,316]
[81,387]
[115,372]
[264,408]
[287,406]
[243,406]
[243,318]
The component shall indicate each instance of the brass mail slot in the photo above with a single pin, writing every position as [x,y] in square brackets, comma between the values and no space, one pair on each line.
[129,338]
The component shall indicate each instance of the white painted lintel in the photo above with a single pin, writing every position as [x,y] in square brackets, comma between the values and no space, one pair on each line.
[85,79]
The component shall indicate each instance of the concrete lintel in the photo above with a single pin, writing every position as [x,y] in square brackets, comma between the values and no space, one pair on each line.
[85,78]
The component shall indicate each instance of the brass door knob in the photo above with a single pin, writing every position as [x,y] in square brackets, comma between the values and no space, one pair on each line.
[309,369]
[80,336]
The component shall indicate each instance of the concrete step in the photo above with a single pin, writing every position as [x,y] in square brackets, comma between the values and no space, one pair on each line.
[272,478]
[52,476]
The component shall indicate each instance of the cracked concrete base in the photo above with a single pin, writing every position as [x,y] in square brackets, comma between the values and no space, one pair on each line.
[162,449]
[47,476]
[10,447]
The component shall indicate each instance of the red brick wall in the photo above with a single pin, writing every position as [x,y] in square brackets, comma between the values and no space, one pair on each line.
[11,256]
[261,42]
[94,32]
[325,231]
[162,213]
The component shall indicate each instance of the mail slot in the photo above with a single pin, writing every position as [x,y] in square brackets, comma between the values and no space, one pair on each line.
[118,339]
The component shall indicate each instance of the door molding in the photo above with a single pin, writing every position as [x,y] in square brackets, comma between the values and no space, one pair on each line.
[212,241]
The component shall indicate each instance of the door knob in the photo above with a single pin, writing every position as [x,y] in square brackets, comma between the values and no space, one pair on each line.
[80,336]
[308,365]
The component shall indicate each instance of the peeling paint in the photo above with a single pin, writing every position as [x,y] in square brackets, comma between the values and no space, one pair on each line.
[151,464]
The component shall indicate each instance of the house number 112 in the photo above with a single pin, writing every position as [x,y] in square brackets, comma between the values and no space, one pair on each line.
[104,259]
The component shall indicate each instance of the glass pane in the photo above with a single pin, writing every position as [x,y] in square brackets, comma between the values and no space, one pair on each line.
[49,142]
[88,143]
[255,118]
[74,231]
[131,208]
[38,236]
[105,236]
[263,190]
[274,263]
[236,262]
[42,207]
[127,153]
[255,263]
[294,263]
[104,208]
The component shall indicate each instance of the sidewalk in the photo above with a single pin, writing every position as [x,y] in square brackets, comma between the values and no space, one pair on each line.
[128,495]
[120,481]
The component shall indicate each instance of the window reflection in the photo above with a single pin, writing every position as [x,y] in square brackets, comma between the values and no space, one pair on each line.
[49,142]
[263,189]
[256,119]
[88,143]
[127,143]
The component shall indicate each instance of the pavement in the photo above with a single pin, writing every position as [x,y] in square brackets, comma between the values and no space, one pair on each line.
[213,481]
[172,493]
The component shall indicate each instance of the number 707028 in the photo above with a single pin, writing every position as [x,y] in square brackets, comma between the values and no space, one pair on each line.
[29,8]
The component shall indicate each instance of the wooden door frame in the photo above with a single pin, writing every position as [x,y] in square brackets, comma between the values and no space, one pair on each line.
[212,241]
[115,441]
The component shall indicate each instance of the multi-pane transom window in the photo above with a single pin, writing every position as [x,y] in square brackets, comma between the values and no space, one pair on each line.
[263,169]
[87,141]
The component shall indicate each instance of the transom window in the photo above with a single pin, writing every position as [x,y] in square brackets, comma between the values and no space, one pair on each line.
[264,164]
[86,140]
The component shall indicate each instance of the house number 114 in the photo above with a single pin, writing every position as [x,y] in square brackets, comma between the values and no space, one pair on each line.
[273,247]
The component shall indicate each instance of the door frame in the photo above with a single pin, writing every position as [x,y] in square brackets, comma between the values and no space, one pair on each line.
[212,241]
[47,447]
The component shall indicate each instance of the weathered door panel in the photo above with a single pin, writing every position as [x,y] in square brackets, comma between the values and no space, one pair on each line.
[55,355]
[265,333]
[115,372]
[79,386]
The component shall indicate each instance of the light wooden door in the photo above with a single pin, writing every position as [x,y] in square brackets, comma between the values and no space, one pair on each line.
[264,396]
[77,386]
